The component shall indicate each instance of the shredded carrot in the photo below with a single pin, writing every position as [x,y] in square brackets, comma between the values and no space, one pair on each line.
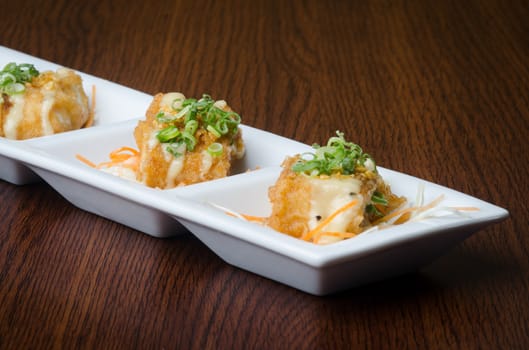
[253,218]
[308,236]
[124,156]
[409,210]
[466,208]
[86,161]
[403,218]
[342,235]
[124,149]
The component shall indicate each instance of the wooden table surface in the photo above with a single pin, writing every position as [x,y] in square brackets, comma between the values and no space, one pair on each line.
[435,89]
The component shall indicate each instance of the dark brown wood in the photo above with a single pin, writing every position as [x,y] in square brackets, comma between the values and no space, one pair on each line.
[436,89]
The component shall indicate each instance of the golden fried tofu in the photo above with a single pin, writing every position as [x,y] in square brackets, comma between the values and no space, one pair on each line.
[186,141]
[301,202]
[52,102]
[334,195]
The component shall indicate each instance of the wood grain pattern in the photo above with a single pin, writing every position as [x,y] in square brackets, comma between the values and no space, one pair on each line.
[435,89]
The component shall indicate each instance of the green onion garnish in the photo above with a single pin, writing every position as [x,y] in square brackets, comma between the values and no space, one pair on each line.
[14,76]
[191,126]
[337,157]
[188,116]
[175,149]
[213,130]
[189,140]
[176,103]
[372,210]
[379,198]
[168,134]
[215,149]
[376,198]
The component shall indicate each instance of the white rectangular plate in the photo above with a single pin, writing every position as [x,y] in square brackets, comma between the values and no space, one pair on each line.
[308,267]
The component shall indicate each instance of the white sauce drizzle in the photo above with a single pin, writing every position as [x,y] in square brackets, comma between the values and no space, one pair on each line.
[152,142]
[174,169]
[175,166]
[330,194]
[207,162]
[48,99]
[14,116]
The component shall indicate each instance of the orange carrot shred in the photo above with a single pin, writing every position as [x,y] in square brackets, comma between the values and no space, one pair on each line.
[124,156]
[86,161]
[466,208]
[409,210]
[403,218]
[308,236]
[342,235]
[252,218]
[124,149]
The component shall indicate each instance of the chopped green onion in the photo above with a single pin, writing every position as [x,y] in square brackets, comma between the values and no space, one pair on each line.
[205,103]
[372,210]
[191,126]
[175,149]
[306,167]
[233,117]
[337,156]
[177,102]
[222,126]
[189,101]
[376,198]
[163,117]
[183,112]
[379,198]
[191,114]
[16,88]
[189,140]
[168,134]
[215,149]
[213,130]
[13,77]
[7,78]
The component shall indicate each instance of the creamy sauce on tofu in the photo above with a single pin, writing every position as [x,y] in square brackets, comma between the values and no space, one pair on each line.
[14,116]
[48,100]
[175,166]
[207,162]
[330,194]
[152,142]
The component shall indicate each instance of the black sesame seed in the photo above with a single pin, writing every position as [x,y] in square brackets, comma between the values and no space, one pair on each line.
[318,217]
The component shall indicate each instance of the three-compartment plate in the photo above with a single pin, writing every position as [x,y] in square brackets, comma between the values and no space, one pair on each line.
[162,213]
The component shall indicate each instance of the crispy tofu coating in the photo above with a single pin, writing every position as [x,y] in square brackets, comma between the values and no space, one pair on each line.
[52,102]
[290,197]
[181,144]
